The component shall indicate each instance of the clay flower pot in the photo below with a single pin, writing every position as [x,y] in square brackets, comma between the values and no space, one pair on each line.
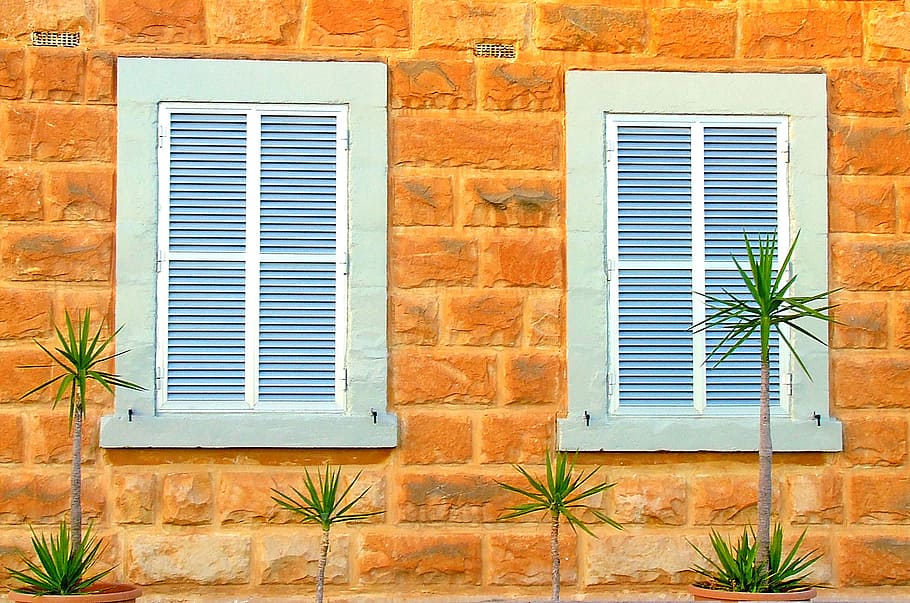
[707,594]
[103,592]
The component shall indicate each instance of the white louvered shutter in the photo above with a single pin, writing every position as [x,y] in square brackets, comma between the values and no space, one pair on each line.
[253,258]
[680,195]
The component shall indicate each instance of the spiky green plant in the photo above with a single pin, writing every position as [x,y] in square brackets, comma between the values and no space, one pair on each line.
[323,502]
[560,494]
[76,361]
[769,307]
[736,568]
[61,569]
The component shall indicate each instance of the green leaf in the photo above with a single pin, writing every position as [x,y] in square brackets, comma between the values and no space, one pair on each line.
[322,502]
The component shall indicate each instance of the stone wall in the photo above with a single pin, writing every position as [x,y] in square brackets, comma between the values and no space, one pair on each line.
[476,300]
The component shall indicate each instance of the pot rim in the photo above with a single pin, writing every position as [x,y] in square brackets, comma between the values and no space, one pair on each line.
[102,592]
[728,595]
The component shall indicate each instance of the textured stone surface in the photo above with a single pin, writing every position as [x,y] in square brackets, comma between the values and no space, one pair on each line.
[544,319]
[43,499]
[20,17]
[875,440]
[293,559]
[485,318]
[435,438]
[867,264]
[902,325]
[59,133]
[99,78]
[11,442]
[24,313]
[422,200]
[55,74]
[889,35]
[245,498]
[857,206]
[17,381]
[134,496]
[420,377]
[727,499]
[871,559]
[462,498]
[240,22]
[695,33]
[524,559]
[638,559]
[869,91]
[803,33]
[511,202]
[12,73]
[433,85]
[449,558]
[869,148]
[422,261]
[857,382]
[81,194]
[50,438]
[414,318]
[459,24]
[163,559]
[480,142]
[20,193]
[879,499]
[522,87]
[353,23]
[651,500]
[155,21]
[60,255]
[590,27]
[537,378]
[863,324]
[187,498]
[515,436]
[816,498]
[527,259]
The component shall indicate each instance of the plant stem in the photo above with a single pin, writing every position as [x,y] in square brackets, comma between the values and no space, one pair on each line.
[764,466]
[76,484]
[554,553]
[320,572]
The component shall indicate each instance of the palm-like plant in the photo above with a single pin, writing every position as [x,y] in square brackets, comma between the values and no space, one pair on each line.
[560,494]
[323,502]
[77,359]
[768,308]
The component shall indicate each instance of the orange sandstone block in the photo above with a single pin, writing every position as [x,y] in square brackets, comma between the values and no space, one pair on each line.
[650,500]
[526,202]
[879,499]
[422,201]
[16,380]
[421,377]
[522,87]
[59,133]
[863,147]
[526,260]
[83,193]
[11,442]
[241,22]
[875,440]
[154,21]
[727,499]
[414,318]
[870,381]
[524,559]
[858,206]
[421,261]
[50,437]
[20,193]
[58,255]
[359,23]
[802,34]
[435,438]
[863,324]
[902,325]
[134,497]
[516,436]
[889,35]
[816,498]
[544,321]
[695,33]
[20,17]
[451,559]
[869,265]
[638,558]
[432,85]
[12,73]
[873,560]
[99,78]
[485,318]
[460,498]
[56,74]
[30,498]
[187,498]
[479,142]
[535,378]
[865,91]
[246,498]
[189,559]
[459,24]
[590,27]
[293,558]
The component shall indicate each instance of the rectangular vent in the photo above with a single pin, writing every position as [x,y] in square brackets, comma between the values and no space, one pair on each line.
[493,50]
[68,39]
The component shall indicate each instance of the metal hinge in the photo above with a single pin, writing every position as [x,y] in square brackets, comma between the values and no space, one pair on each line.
[787,152]
[609,269]
[158,261]
[610,149]
[610,385]
[161,137]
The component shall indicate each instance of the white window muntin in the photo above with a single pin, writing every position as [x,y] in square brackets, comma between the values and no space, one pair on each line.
[252,255]
[698,265]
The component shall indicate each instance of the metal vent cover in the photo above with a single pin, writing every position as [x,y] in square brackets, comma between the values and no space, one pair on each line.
[494,50]
[67,39]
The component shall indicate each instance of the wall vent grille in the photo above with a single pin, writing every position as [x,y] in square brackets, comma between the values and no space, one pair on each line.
[494,50]
[67,39]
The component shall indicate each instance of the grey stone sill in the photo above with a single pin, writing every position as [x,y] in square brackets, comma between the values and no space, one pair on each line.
[694,434]
[278,430]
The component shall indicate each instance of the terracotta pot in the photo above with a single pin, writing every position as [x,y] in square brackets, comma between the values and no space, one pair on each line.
[708,594]
[102,592]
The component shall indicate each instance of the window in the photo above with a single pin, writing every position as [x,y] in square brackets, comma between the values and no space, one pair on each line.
[251,271]
[665,172]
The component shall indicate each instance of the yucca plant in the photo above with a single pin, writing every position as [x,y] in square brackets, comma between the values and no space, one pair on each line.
[323,502]
[769,307]
[736,568]
[77,360]
[560,495]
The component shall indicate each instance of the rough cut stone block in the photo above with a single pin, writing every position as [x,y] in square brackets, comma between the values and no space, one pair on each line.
[419,261]
[17,381]
[241,22]
[12,73]
[359,23]
[695,33]
[420,559]
[461,23]
[435,438]
[802,34]
[432,85]
[639,559]
[246,498]
[816,498]
[516,436]
[858,206]
[524,559]
[24,313]
[857,381]
[59,255]
[879,499]
[537,378]
[645,499]
[422,200]
[81,194]
[11,442]
[59,133]
[187,498]
[45,499]
[56,74]
[874,560]
[420,377]
[727,499]
[414,318]
[523,87]
[902,325]
[544,322]
[867,264]
[134,497]
[293,559]
[99,78]
[525,260]
[889,35]
[461,498]
[590,27]
[20,193]
[155,21]
[191,558]
[20,17]
[875,440]
[863,324]
[524,202]
[489,317]
[863,147]
[871,91]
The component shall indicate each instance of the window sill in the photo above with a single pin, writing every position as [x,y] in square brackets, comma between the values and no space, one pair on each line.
[195,430]
[691,434]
